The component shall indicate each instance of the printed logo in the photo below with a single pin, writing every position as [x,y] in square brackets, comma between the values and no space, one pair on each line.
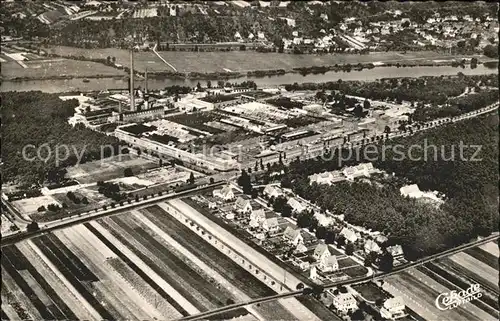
[450,300]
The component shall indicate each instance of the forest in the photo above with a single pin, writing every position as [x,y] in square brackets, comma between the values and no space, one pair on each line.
[38,118]
[469,188]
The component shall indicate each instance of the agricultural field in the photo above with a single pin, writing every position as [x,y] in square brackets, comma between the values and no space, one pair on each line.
[142,60]
[186,61]
[420,287]
[142,265]
[58,67]
[109,168]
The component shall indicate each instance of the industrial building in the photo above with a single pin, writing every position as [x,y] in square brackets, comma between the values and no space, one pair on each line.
[137,136]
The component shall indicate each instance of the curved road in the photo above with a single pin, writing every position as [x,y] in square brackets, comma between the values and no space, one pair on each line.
[363,279]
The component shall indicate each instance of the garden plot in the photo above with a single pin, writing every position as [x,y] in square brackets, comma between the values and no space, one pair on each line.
[231,271]
[109,168]
[30,205]
[113,287]
[177,304]
[167,175]
[477,269]
[58,291]
[491,247]
[22,303]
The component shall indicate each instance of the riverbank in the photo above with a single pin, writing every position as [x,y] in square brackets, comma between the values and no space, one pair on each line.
[77,85]
[227,65]
[304,71]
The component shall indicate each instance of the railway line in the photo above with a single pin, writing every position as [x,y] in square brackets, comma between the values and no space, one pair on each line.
[353,281]
[57,225]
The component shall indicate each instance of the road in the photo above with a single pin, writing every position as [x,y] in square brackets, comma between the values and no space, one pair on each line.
[162,59]
[60,224]
[16,217]
[377,276]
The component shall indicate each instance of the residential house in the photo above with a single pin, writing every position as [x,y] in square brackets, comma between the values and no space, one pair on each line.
[251,36]
[395,250]
[321,251]
[272,191]
[301,248]
[226,193]
[372,246]
[304,265]
[297,40]
[328,264]
[313,273]
[212,205]
[237,36]
[257,217]
[296,206]
[381,239]
[393,308]
[344,302]
[230,216]
[242,205]
[261,36]
[349,234]
[271,225]
[293,236]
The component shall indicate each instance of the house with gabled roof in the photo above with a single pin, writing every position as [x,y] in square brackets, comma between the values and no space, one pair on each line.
[395,250]
[321,251]
[293,236]
[272,191]
[328,263]
[271,225]
[349,234]
[257,217]
[372,246]
[393,308]
[301,248]
[296,206]
[243,205]
[344,302]
[226,193]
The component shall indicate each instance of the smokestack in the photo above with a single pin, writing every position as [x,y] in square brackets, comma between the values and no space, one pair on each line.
[132,98]
[146,86]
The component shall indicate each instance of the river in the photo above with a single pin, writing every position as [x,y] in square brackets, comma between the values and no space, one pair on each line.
[77,84]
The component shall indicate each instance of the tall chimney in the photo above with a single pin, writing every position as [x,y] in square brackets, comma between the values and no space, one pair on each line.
[146,86]
[132,98]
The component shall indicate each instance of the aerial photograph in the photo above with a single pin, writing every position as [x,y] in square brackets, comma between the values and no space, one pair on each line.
[249,160]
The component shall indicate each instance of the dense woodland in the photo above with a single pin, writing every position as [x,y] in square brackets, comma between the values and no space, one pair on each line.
[470,189]
[39,118]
